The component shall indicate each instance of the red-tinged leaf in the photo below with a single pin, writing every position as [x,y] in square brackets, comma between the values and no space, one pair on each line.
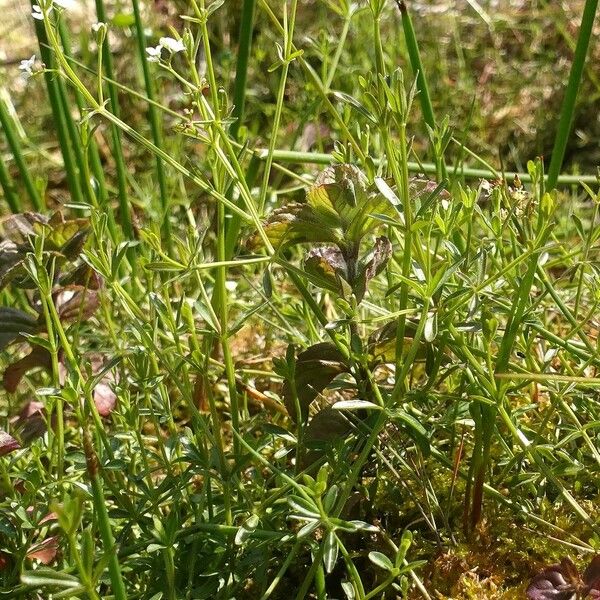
[557,582]
[19,228]
[327,266]
[76,303]
[8,443]
[51,516]
[31,421]
[372,265]
[104,399]
[4,561]
[591,577]
[45,551]
[38,357]
[13,323]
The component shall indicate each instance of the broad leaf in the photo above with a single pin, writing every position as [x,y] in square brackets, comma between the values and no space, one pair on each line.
[371,265]
[382,343]
[339,208]
[19,228]
[13,323]
[38,357]
[591,578]
[294,223]
[326,426]
[316,368]
[557,582]
[76,303]
[326,264]
[8,443]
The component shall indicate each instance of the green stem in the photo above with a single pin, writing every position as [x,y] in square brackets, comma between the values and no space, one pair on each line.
[104,525]
[155,124]
[124,209]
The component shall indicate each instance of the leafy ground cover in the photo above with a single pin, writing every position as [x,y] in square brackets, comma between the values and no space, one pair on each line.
[272,325]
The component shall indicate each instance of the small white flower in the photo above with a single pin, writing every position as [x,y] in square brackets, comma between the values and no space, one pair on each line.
[96,27]
[36,12]
[153,53]
[27,66]
[172,45]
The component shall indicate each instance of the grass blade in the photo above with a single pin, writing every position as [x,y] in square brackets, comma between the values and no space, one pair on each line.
[15,147]
[10,194]
[568,107]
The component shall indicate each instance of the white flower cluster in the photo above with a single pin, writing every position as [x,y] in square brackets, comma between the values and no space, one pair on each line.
[168,43]
[38,13]
[27,66]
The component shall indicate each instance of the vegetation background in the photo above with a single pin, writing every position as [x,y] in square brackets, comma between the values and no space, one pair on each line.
[231,372]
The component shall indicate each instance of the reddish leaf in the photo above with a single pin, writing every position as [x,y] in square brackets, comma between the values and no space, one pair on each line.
[76,303]
[4,561]
[591,578]
[8,443]
[38,357]
[104,398]
[557,582]
[31,421]
[45,551]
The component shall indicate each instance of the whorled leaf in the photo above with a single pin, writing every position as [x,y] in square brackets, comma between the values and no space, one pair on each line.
[13,323]
[316,367]
[63,239]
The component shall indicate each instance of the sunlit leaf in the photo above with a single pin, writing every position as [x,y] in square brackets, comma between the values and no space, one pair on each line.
[330,551]
[327,265]
[381,560]
[372,264]
[382,343]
